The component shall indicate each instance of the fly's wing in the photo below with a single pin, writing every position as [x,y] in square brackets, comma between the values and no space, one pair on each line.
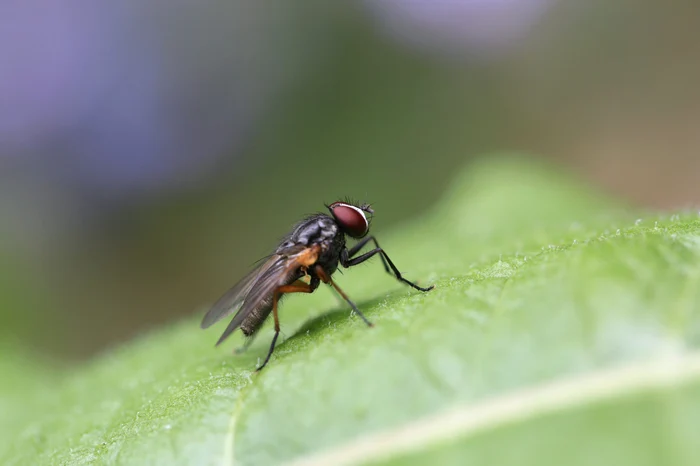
[281,271]
[233,298]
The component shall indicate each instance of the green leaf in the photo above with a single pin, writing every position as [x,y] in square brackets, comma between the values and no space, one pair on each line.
[562,330]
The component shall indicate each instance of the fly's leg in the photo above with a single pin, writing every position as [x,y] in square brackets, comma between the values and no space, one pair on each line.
[361,244]
[296,287]
[346,260]
[325,278]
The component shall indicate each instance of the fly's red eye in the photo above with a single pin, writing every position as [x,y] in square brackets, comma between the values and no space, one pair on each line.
[350,218]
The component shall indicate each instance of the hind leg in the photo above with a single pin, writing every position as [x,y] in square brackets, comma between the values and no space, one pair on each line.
[296,287]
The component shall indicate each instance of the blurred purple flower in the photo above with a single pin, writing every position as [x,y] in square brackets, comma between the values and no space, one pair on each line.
[50,66]
[119,98]
[81,93]
[476,27]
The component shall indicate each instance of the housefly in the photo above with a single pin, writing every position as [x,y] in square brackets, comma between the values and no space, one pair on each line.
[310,254]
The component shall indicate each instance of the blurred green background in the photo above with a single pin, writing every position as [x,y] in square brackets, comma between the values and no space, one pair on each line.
[150,152]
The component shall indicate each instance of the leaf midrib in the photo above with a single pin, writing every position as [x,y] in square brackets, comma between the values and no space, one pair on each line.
[467,420]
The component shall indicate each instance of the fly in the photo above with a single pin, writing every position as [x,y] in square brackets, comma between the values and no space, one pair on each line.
[311,251]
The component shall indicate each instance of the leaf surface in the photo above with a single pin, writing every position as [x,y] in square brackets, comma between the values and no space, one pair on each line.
[540,284]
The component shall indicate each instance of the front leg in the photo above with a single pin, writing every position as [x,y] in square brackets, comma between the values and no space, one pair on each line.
[346,260]
[355,249]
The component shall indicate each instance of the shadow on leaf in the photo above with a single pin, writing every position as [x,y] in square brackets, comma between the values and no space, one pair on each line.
[323,321]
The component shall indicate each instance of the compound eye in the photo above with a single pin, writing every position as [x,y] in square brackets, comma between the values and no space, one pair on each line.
[351,219]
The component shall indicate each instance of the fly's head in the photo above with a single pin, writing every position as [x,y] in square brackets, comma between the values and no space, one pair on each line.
[353,220]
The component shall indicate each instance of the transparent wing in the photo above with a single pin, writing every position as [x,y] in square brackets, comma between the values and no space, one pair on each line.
[281,270]
[232,299]
[263,288]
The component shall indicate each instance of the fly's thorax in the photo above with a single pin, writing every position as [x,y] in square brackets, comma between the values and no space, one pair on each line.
[330,255]
[315,229]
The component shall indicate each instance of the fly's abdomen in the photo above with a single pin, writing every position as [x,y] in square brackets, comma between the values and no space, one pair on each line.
[257,317]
